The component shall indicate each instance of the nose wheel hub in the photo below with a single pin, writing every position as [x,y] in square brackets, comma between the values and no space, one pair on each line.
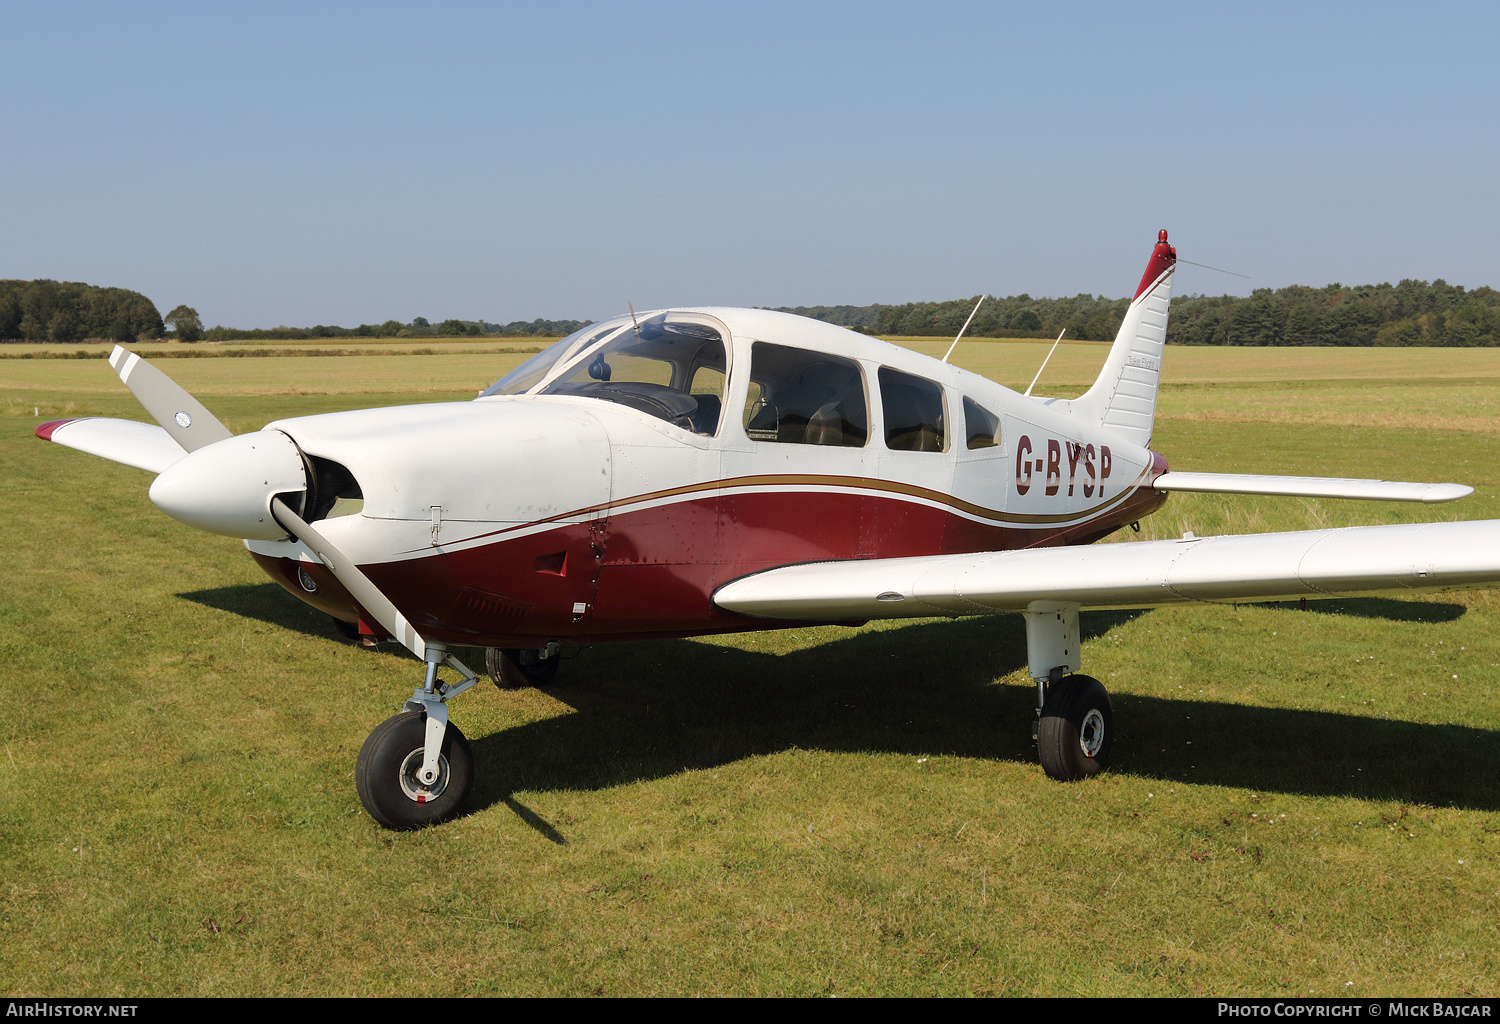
[412,785]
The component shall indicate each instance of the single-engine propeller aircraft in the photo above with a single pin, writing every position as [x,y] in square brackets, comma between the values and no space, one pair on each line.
[710,470]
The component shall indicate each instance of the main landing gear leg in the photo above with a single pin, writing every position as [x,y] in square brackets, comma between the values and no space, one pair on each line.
[1074,726]
[416,769]
[516,668]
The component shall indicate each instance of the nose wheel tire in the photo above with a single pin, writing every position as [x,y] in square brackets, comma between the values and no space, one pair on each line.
[385,773]
[514,668]
[1076,729]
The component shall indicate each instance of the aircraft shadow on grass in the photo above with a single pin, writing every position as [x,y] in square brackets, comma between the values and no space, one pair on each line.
[266,602]
[656,708]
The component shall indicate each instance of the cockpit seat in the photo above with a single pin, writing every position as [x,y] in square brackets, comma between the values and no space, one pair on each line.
[706,416]
[826,426]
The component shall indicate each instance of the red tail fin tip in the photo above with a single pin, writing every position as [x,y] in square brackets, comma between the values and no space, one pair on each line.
[1162,257]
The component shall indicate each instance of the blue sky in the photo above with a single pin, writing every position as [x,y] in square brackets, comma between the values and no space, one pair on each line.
[344,163]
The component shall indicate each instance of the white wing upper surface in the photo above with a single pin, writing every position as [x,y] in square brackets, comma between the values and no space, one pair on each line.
[142,445]
[1257,567]
[1309,487]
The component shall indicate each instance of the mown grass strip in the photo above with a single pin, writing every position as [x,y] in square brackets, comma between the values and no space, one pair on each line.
[1305,801]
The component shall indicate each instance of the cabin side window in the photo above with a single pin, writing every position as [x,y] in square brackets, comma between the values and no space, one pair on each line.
[913,412]
[802,397]
[982,426]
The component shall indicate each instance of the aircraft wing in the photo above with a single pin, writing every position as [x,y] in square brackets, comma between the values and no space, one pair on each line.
[1309,487]
[1255,567]
[142,445]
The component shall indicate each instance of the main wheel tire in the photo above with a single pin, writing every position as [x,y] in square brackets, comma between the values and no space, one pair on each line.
[1076,730]
[385,774]
[513,668]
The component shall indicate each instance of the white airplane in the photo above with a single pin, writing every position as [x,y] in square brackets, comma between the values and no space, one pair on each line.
[712,470]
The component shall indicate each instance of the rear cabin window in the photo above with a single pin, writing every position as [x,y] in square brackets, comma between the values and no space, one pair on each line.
[983,426]
[913,412]
[802,397]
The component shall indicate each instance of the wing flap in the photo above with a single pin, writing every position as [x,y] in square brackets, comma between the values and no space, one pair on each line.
[142,445]
[1310,487]
[1257,567]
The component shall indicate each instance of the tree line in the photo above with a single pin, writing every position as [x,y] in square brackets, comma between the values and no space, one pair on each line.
[1409,313]
[69,311]
[419,327]
[66,311]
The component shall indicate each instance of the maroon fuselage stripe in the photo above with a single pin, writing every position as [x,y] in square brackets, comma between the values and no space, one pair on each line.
[653,571]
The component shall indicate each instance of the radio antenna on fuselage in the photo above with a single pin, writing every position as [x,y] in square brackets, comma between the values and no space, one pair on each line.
[1044,362]
[634,321]
[965,327]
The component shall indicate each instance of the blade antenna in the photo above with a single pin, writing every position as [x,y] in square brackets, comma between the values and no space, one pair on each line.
[1044,362]
[965,327]
[636,322]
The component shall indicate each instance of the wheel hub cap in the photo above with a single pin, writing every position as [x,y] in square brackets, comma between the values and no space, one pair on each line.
[1091,733]
[416,791]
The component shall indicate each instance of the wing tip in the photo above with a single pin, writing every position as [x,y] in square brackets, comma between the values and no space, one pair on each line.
[46,430]
[1437,493]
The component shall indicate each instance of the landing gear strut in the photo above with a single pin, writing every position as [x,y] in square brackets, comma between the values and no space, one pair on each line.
[416,769]
[1075,727]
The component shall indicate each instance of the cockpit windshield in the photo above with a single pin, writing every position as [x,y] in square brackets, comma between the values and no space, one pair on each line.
[535,370]
[670,365]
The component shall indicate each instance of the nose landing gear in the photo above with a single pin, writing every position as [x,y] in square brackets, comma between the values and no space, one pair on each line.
[388,769]
[415,768]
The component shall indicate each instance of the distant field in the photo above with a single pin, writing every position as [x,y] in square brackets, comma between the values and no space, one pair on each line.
[1013,362]
[1303,802]
[1443,388]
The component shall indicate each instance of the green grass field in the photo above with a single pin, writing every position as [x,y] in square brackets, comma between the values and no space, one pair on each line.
[1303,801]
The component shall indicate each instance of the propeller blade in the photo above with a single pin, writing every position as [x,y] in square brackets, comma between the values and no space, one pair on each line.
[354,581]
[181,415]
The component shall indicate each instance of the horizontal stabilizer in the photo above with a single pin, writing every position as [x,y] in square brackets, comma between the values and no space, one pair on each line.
[142,445]
[1310,487]
[1255,567]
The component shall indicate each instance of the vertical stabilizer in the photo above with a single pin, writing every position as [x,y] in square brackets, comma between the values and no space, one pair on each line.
[1123,399]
